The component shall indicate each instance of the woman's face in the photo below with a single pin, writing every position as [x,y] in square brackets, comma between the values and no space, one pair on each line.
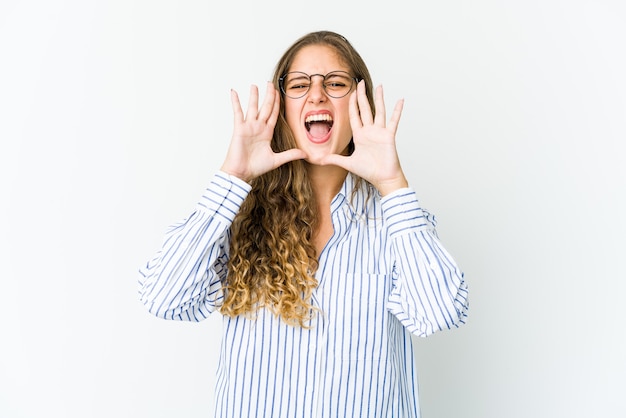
[320,123]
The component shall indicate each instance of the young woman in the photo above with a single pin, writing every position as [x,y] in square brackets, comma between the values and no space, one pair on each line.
[314,248]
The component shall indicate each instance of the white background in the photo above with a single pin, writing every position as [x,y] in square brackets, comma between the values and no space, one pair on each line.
[115,114]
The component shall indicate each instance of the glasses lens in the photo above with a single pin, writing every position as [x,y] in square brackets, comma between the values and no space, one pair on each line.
[295,84]
[337,84]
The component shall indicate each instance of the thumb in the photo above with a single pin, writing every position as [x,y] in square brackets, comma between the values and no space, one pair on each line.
[338,160]
[288,155]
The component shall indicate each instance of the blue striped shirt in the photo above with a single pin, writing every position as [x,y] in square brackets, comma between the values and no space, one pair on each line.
[383,276]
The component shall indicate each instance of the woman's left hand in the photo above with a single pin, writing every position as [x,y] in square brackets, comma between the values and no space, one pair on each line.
[375,157]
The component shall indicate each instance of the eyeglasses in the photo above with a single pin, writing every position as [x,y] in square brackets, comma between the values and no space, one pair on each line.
[336,84]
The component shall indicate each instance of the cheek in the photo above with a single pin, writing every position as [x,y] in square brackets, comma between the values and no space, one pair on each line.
[346,136]
[343,113]
[346,128]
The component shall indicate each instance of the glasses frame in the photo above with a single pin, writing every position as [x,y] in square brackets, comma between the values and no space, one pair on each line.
[281,83]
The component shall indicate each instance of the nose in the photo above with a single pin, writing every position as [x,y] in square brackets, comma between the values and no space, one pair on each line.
[316,93]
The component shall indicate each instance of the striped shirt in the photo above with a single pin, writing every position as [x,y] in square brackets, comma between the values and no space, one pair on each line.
[383,276]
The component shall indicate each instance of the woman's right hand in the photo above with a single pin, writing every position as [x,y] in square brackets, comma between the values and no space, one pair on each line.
[250,154]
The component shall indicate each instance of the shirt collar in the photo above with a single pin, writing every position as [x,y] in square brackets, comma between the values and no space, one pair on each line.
[353,200]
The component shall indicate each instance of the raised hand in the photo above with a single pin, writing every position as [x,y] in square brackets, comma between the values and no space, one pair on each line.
[375,157]
[250,154]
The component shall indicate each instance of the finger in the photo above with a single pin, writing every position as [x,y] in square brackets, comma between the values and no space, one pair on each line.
[395,116]
[379,102]
[275,108]
[342,161]
[293,154]
[353,112]
[236,105]
[253,103]
[364,105]
[268,103]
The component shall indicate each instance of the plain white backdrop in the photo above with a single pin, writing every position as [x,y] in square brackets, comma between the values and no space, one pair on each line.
[115,114]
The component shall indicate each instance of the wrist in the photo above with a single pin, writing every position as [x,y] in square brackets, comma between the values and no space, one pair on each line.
[390,186]
[235,173]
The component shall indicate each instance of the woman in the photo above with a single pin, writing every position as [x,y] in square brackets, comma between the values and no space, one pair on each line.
[312,245]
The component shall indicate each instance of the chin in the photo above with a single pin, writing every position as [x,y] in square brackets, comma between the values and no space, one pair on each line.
[315,159]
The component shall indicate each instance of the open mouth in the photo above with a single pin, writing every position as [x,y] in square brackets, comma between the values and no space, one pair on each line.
[319,126]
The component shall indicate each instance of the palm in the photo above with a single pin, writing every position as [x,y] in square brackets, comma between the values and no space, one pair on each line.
[250,153]
[375,157]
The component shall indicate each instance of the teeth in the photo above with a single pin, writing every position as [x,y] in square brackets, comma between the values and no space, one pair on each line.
[319,118]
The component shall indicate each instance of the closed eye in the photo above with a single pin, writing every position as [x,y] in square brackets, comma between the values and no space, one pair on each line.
[298,86]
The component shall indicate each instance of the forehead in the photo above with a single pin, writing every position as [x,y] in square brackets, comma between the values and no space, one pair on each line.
[318,59]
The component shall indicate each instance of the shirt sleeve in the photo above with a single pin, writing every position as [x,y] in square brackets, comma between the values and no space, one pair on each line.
[183,280]
[429,292]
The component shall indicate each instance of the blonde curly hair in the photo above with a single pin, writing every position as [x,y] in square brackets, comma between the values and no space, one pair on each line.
[273,260]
